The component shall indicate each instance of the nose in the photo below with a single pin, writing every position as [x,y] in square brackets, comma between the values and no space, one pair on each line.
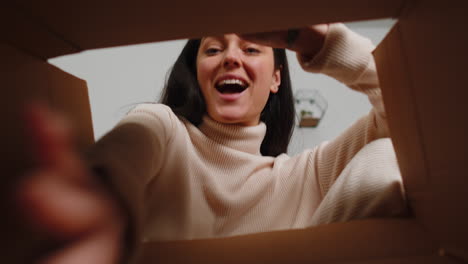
[232,58]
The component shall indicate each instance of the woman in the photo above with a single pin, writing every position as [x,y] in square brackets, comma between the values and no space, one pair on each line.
[211,162]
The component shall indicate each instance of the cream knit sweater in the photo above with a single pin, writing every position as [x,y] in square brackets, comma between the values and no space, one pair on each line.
[185,182]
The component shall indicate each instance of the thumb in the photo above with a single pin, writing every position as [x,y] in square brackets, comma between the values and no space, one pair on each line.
[60,194]
[50,137]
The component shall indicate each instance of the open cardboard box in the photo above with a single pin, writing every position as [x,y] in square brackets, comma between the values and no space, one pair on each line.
[420,63]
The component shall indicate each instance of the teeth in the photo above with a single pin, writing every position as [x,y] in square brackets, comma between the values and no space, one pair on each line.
[231,81]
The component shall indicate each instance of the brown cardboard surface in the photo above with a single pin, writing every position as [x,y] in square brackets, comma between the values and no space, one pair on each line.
[96,24]
[69,95]
[352,242]
[26,78]
[437,69]
[421,68]
[435,259]
[427,115]
[395,81]
[20,30]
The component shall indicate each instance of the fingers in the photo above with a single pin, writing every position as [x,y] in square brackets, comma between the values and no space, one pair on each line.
[61,198]
[49,134]
[100,247]
[52,144]
[61,208]
[307,40]
[85,220]
[320,29]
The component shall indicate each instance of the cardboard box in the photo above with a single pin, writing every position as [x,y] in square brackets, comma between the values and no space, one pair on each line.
[26,78]
[421,64]
[421,69]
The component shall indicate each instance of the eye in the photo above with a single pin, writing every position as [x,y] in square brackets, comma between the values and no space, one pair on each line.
[251,50]
[212,51]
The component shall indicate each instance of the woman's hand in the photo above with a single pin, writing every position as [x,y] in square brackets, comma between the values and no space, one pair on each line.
[62,199]
[307,41]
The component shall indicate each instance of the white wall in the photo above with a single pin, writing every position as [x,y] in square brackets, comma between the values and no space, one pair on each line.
[119,78]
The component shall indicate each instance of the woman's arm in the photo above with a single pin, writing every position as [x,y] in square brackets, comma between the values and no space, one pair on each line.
[346,56]
[91,209]
[122,160]
[340,53]
[129,157]
[76,217]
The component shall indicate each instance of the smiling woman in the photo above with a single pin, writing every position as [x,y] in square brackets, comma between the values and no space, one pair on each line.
[209,160]
[194,87]
[229,58]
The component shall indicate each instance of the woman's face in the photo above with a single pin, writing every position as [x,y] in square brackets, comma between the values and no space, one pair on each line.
[236,78]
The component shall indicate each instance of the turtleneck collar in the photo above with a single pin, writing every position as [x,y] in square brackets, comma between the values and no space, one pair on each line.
[243,138]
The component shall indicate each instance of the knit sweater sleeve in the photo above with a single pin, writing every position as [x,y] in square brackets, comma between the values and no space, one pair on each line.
[346,56]
[130,157]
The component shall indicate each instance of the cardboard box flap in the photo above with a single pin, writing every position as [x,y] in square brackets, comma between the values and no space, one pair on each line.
[98,24]
[422,66]
[402,118]
[379,240]
[23,31]
[26,78]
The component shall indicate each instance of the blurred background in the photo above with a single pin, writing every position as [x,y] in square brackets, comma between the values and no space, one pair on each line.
[120,78]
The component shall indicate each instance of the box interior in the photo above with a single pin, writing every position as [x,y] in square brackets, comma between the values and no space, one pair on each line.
[421,69]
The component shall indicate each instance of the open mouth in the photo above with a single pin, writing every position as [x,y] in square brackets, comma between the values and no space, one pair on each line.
[231,86]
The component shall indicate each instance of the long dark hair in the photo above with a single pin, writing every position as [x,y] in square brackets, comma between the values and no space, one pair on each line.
[183,95]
